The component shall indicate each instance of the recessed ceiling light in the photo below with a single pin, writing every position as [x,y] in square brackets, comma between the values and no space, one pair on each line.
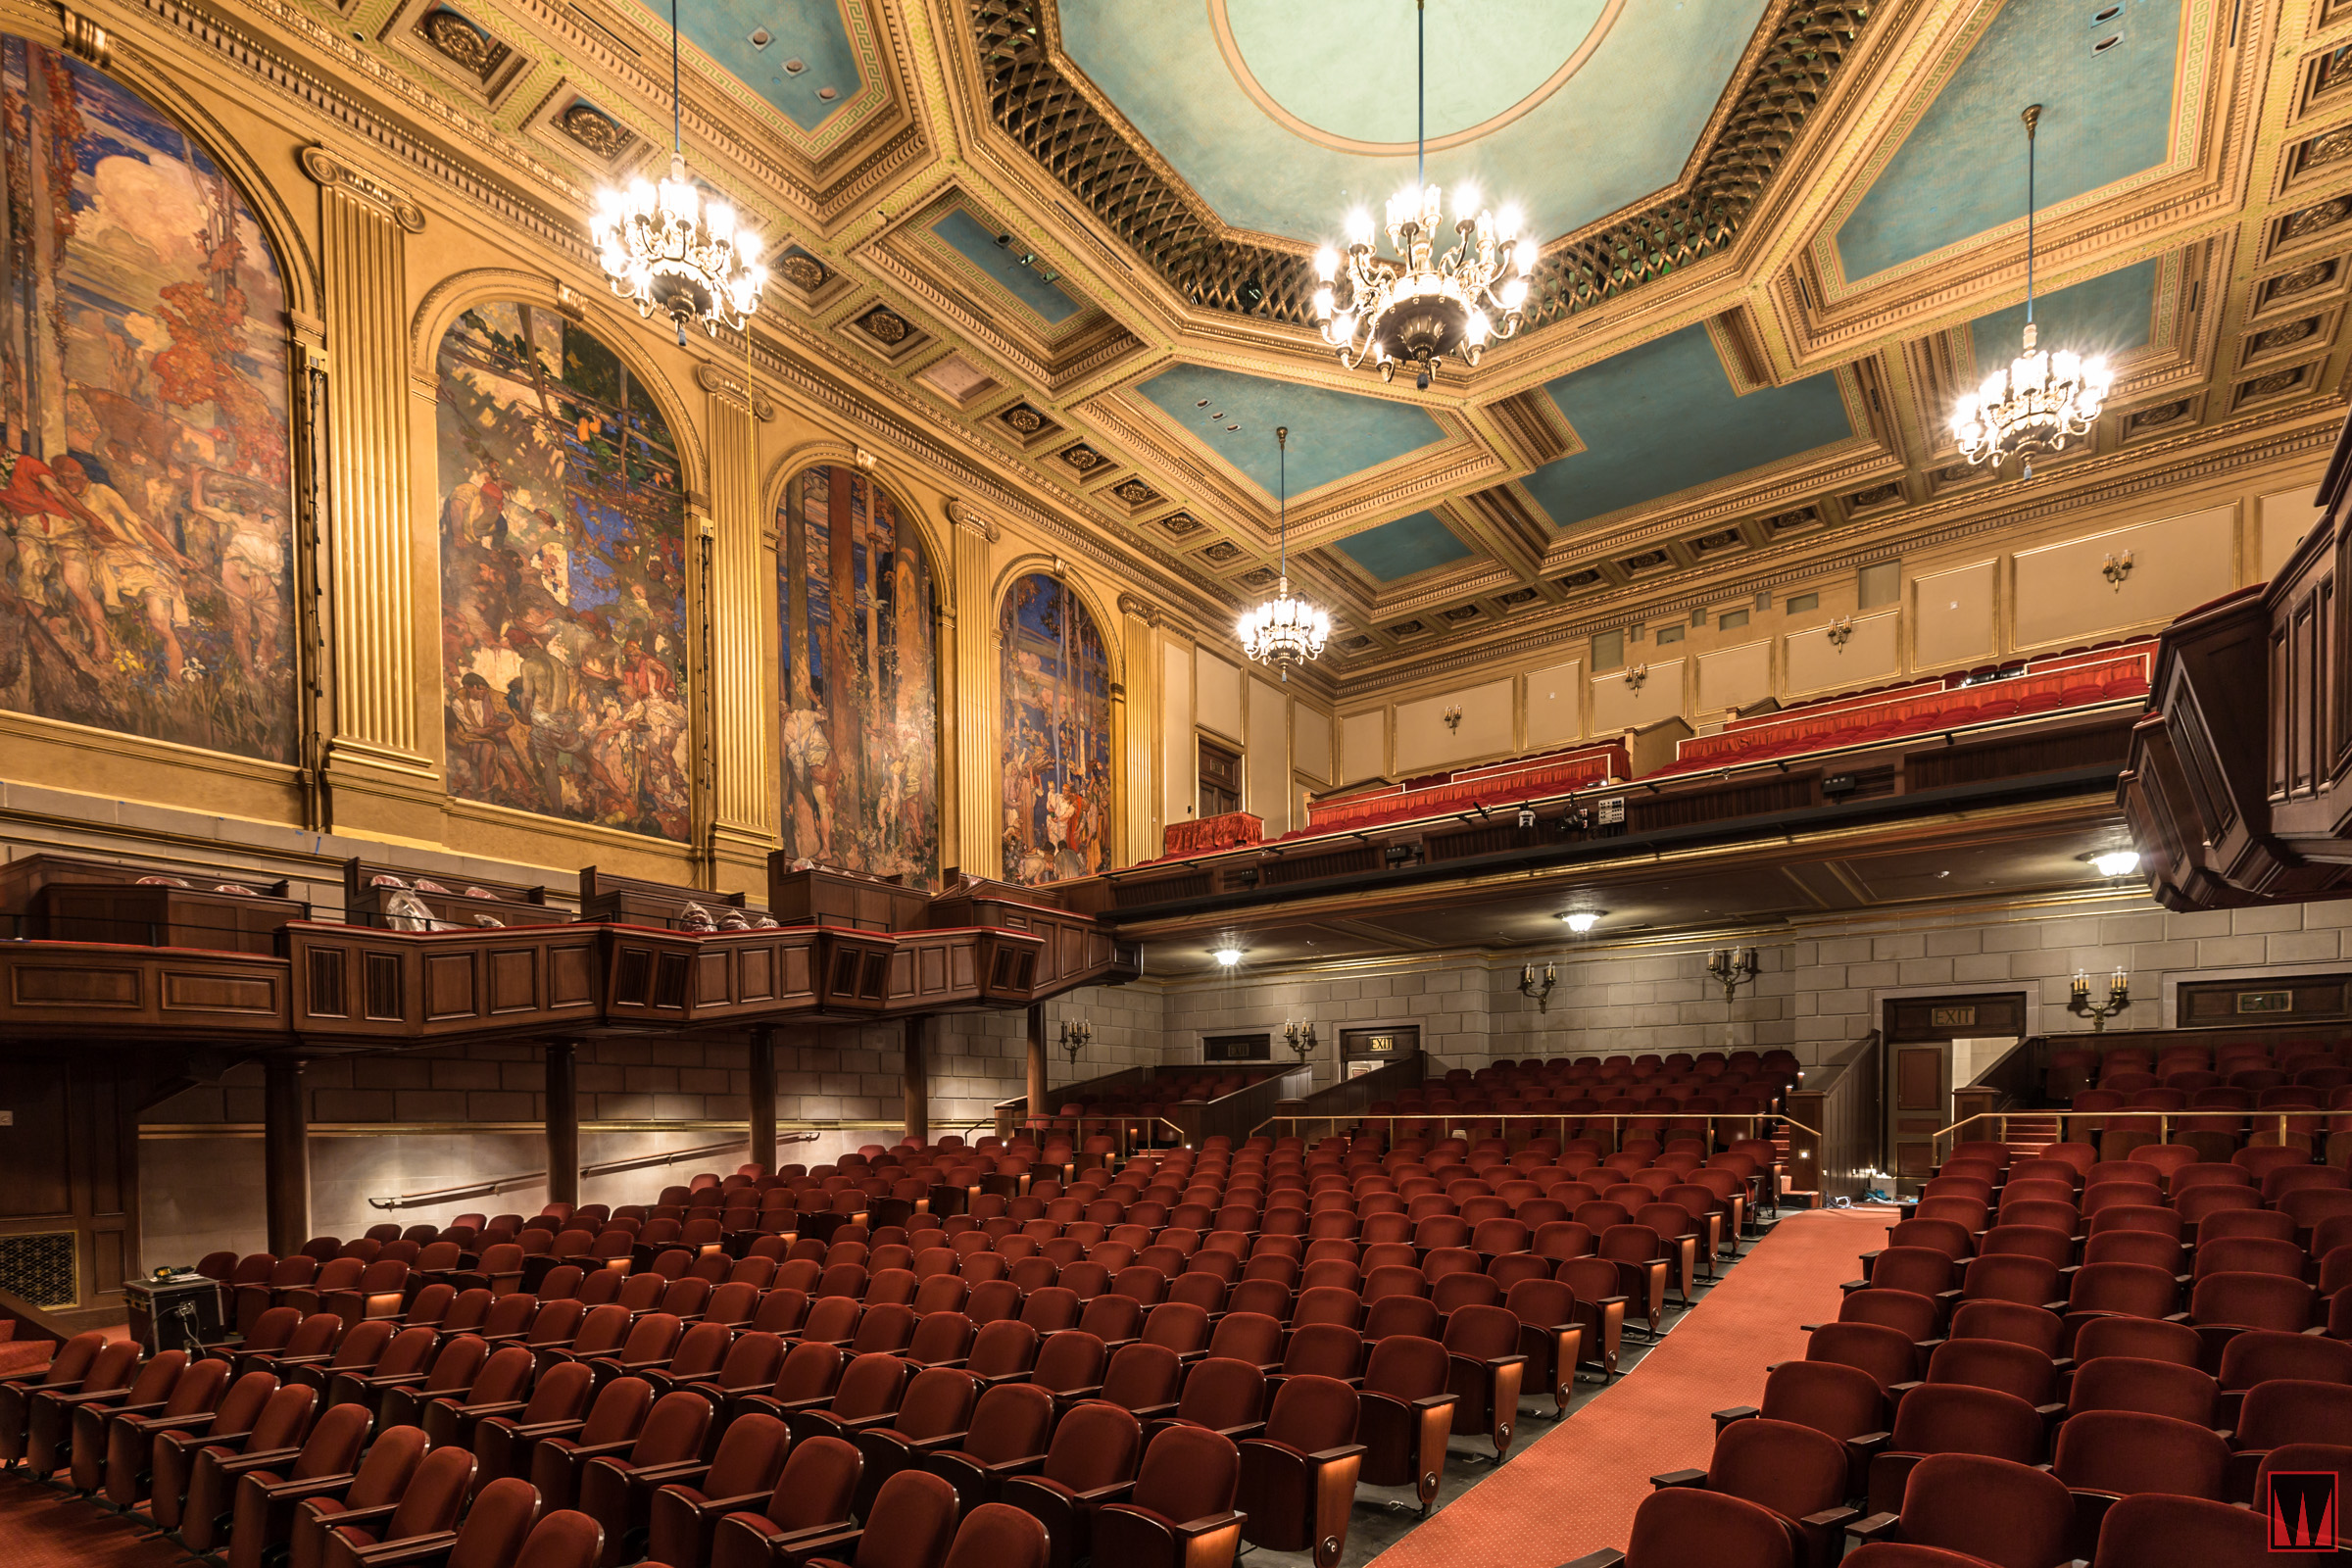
[828,94]
[761,37]
[793,67]
[1227,958]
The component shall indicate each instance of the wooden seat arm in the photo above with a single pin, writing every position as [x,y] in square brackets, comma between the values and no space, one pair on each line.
[1878,1527]
[1680,1478]
[412,1550]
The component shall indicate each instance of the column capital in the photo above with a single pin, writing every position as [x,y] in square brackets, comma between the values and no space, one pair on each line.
[333,174]
[964,517]
[83,39]
[1143,609]
[729,387]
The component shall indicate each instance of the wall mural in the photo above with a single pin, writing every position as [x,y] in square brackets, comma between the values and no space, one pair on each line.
[146,560]
[860,732]
[1056,735]
[562,577]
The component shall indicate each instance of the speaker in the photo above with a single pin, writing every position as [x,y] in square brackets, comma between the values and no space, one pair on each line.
[176,1309]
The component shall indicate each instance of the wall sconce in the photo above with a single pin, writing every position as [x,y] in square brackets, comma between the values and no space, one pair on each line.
[1527,816]
[2119,996]
[1301,1038]
[2116,567]
[1838,630]
[1538,989]
[1454,718]
[1076,1037]
[1732,967]
[1635,676]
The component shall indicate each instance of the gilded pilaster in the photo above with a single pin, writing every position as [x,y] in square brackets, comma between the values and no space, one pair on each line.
[1139,754]
[379,695]
[979,785]
[742,745]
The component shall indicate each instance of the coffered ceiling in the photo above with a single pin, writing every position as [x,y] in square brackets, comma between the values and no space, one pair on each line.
[1780,238]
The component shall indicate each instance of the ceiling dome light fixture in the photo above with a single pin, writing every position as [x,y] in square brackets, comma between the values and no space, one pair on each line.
[1581,921]
[1227,958]
[1284,631]
[2043,397]
[1418,306]
[2115,863]
[663,250]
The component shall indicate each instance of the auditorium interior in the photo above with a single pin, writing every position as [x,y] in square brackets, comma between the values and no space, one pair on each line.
[686,878]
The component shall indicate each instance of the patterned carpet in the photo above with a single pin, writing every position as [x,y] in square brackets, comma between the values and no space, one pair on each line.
[44,1529]
[1576,1490]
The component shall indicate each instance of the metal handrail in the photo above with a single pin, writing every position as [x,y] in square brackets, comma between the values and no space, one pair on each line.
[2162,1118]
[1616,1120]
[608,1167]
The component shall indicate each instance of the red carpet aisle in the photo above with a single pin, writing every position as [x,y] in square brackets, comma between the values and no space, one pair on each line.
[1576,1488]
[43,1529]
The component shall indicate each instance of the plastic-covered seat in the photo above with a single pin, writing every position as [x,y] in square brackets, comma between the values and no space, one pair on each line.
[1298,1479]
[812,1499]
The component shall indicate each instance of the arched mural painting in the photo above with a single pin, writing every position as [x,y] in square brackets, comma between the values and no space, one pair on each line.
[145,572]
[562,577]
[860,679]
[1056,735]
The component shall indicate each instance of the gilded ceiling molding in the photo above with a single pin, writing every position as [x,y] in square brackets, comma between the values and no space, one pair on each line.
[1038,98]
[1805,559]
[328,169]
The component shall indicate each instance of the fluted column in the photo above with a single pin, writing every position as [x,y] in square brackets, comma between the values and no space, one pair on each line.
[378,772]
[743,742]
[1139,757]
[979,782]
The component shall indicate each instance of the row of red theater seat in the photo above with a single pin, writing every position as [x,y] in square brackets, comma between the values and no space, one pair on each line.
[1304,1333]
[2013,1383]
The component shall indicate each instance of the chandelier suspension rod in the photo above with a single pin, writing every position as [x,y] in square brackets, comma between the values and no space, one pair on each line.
[1282,466]
[677,133]
[2032,116]
[1420,93]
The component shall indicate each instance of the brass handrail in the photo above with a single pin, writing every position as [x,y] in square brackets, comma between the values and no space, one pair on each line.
[1615,1118]
[2162,1118]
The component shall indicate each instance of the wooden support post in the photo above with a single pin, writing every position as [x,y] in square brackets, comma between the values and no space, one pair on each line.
[1038,1108]
[763,1099]
[285,1155]
[563,1123]
[919,1078]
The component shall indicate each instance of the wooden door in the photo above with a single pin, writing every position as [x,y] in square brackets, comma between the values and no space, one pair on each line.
[69,1207]
[1918,1035]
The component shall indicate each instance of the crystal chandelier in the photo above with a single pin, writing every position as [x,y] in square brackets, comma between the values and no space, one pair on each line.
[1284,631]
[663,250]
[1418,306]
[2043,397]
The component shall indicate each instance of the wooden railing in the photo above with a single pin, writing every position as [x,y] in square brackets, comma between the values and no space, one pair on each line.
[1834,1123]
[2013,1081]
[1347,1100]
[1238,1115]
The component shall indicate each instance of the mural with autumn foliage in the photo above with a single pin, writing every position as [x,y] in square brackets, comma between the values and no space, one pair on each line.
[860,679]
[1056,735]
[562,577]
[145,516]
